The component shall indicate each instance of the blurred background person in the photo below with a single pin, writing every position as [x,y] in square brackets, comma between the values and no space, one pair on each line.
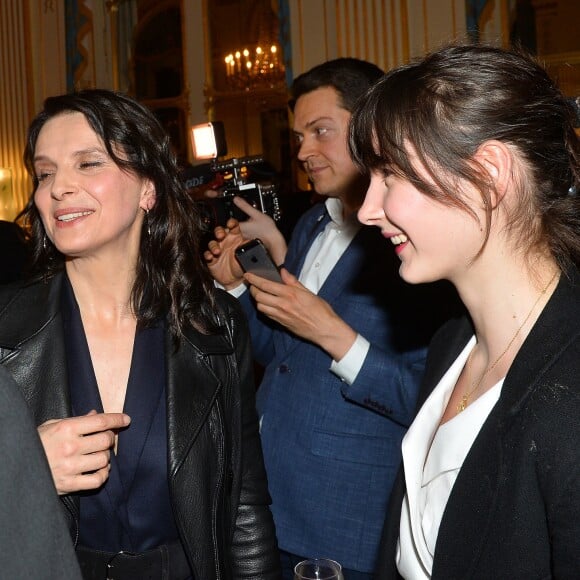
[340,336]
[137,370]
[475,169]
[15,257]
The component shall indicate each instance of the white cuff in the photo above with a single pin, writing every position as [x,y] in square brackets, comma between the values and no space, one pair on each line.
[349,366]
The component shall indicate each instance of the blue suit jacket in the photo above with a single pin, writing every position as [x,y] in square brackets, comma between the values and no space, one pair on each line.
[330,460]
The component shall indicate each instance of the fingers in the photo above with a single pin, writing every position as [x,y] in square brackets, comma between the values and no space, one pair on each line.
[88,464]
[78,448]
[233,226]
[282,301]
[86,424]
[90,472]
[246,207]
[94,423]
[231,230]
[214,248]
[288,278]
[267,293]
[219,233]
[258,283]
[88,481]
[271,287]
[209,258]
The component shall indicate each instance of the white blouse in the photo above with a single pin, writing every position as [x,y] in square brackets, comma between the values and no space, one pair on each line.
[432,456]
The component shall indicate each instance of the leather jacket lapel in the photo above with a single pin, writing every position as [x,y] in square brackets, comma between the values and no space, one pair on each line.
[192,387]
[38,339]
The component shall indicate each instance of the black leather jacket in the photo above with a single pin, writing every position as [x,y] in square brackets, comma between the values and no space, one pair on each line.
[217,481]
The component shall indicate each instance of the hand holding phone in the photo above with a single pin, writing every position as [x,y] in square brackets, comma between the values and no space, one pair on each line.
[254,257]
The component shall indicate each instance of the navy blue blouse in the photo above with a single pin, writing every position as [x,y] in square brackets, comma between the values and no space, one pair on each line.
[132,510]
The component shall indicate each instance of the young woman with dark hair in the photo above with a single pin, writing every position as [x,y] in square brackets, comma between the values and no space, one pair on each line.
[138,371]
[475,170]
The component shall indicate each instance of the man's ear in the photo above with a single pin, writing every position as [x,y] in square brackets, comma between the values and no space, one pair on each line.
[149,195]
[495,158]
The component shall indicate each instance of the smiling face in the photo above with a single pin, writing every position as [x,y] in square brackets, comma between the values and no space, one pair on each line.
[87,203]
[433,241]
[321,129]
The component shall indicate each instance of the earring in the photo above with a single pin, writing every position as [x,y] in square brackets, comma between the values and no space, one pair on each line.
[147,220]
[44,242]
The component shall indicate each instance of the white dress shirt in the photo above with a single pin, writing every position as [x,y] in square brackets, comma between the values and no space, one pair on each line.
[328,247]
[433,455]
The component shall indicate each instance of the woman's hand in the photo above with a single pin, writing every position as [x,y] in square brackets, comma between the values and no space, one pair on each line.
[78,449]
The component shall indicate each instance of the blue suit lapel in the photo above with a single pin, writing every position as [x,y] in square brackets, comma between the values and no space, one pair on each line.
[344,272]
[305,237]
[295,260]
[339,278]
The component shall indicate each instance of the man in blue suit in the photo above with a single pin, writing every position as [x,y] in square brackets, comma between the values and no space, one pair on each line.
[342,341]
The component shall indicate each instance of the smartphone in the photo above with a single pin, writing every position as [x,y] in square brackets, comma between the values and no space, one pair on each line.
[253,257]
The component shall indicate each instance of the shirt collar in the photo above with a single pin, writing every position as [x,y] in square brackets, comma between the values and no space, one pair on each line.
[334,209]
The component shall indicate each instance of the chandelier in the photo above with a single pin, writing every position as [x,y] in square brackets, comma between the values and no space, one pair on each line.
[255,67]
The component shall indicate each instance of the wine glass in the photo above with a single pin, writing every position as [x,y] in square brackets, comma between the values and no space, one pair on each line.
[318,569]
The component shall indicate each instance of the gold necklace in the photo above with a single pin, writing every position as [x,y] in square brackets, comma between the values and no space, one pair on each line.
[476,384]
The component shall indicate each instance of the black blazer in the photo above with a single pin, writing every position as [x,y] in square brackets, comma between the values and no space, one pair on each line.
[216,476]
[514,511]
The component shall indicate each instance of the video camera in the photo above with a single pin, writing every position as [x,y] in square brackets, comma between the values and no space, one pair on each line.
[250,178]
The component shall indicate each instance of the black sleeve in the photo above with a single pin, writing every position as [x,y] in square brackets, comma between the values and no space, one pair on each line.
[34,540]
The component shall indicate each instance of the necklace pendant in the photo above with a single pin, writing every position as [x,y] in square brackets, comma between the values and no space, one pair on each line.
[462,405]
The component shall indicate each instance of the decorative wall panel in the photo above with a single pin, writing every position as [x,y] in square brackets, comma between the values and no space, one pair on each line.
[16,106]
[386,32]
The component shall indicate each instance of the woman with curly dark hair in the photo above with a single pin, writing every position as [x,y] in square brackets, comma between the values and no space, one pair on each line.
[475,171]
[137,370]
